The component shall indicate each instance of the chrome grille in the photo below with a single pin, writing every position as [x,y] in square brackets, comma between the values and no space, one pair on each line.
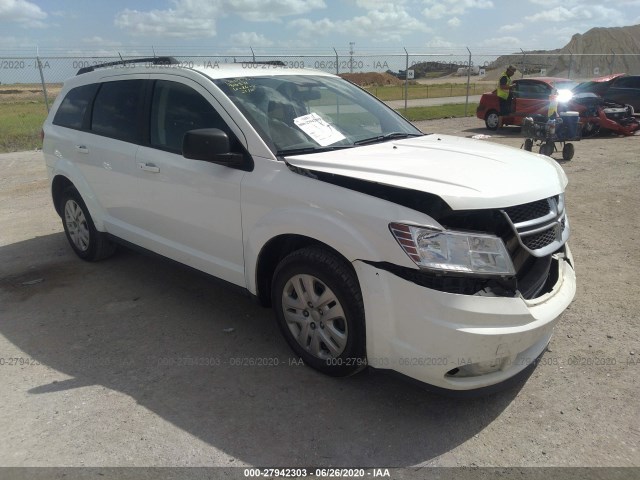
[541,227]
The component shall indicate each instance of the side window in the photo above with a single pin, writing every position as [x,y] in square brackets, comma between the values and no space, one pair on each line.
[532,90]
[74,106]
[628,82]
[176,109]
[117,108]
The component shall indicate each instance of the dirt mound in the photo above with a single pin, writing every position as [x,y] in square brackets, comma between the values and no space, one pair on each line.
[599,51]
[375,79]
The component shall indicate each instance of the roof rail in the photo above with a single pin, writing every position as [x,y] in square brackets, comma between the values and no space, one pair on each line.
[151,60]
[278,63]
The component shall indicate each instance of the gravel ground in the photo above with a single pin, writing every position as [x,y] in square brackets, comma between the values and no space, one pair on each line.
[95,358]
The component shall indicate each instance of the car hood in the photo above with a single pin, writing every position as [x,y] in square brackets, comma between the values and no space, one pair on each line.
[465,173]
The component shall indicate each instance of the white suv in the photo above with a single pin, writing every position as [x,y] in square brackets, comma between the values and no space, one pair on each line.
[442,258]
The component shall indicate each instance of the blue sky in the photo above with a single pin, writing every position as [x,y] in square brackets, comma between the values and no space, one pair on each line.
[228,26]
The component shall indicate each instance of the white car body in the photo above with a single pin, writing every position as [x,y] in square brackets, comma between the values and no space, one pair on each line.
[219,219]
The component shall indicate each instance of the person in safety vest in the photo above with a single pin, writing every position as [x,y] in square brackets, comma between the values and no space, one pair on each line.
[503,91]
[552,111]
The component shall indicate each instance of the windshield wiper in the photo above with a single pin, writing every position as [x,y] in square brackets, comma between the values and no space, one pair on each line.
[302,151]
[388,136]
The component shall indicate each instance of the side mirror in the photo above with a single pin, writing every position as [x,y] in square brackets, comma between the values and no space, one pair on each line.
[210,145]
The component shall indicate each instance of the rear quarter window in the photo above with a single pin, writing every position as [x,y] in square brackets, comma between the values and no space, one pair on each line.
[72,110]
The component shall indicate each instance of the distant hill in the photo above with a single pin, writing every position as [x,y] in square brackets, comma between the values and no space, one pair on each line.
[599,49]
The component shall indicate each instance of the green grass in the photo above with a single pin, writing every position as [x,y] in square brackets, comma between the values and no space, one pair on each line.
[20,125]
[416,114]
[396,92]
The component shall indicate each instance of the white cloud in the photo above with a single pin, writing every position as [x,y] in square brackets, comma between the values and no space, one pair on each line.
[189,18]
[604,15]
[436,9]
[439,42]
[249,39]
[454,22]
[197,18]
[558,14]
[514,27]
[500,42]
[375,4]
[26,13]
[99,41]
[385,22]
[269,10]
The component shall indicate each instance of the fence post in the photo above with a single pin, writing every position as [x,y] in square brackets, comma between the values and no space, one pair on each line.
[523,64]
[253,55]
[44,85]
[466,103]
[337,67]
[613,60]
[570,59]
[406,80]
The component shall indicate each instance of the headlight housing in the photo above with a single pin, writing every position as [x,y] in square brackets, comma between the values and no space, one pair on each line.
[448,251]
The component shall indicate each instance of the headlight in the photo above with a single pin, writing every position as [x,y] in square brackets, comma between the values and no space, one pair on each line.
[564,95]
[453,252]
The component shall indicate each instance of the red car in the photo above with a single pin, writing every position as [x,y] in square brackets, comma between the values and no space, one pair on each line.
[530,96]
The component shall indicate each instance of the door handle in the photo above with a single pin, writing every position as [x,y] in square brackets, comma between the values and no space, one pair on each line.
[82,149]
[148,167]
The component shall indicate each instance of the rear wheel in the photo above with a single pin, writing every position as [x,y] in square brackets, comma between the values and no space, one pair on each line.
[567,151]
[492,120]
[320,312]
[88,243]
[528,144]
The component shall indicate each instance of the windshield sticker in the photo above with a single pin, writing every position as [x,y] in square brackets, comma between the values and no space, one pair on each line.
[319,130]
[240,85]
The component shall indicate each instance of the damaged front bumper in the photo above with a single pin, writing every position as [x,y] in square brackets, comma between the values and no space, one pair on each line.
[454,341]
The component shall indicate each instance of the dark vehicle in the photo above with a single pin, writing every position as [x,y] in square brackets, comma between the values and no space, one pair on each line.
[618,88]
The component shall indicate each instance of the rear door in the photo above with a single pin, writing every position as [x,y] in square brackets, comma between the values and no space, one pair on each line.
[109,148]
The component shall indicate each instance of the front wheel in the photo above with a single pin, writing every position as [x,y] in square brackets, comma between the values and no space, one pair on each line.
[87,242]
[547,149]
[320,312]
[492,120]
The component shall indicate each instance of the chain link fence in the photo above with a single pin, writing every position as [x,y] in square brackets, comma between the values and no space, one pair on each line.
[29,84]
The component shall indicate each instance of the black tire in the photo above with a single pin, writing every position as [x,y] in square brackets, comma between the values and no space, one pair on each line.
[590,129]
[567,151]
[547,148]
[491,120]
[335,346]
[88,243]
[528,144]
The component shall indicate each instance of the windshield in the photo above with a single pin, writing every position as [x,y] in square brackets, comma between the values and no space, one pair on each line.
[306,113]
[565,85]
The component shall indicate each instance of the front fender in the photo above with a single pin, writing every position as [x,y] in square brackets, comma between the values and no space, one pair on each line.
[354,224]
